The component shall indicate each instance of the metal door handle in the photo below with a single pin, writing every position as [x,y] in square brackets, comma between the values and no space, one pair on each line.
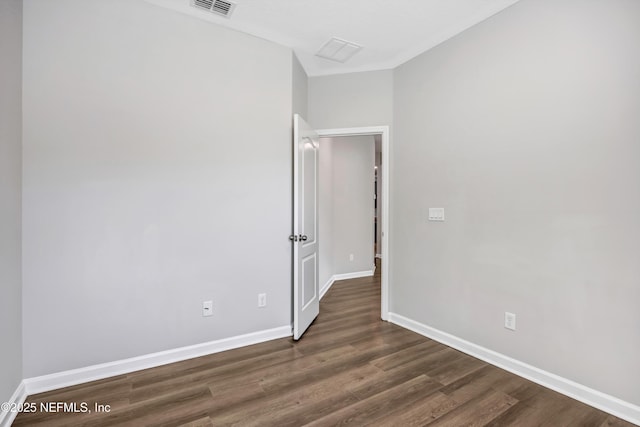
[293,238]
[303,238]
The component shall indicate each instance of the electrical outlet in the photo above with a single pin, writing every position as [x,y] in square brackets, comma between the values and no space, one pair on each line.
[509,320]
[350,257]
[262,300]
[207,308]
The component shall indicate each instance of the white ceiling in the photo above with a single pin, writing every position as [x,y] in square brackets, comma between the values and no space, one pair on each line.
[390,31]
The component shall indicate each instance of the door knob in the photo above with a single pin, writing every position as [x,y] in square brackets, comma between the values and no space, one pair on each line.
[303,238]
[293,238]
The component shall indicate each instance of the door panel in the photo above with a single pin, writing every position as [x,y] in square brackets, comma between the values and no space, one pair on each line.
[310,193]
[309,266]
[306,301]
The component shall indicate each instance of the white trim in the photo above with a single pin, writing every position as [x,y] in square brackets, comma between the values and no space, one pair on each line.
[17,399]
[385,136]
[356,275]
[325,288]
[612,405]
[379,256]
[119,367]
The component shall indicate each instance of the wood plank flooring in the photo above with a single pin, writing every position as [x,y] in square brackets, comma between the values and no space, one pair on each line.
[350,368]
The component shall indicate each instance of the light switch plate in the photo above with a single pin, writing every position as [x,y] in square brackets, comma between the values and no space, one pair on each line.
[436,214]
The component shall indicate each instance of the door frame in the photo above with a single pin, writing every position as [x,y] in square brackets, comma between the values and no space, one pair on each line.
[383,131]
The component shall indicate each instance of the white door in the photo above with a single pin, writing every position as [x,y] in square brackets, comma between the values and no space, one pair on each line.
[306,298]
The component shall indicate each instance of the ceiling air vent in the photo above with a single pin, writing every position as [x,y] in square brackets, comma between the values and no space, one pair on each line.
[219,7]
[338,50]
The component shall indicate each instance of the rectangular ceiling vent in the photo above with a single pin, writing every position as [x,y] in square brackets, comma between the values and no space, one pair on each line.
[219,7]
[338,50]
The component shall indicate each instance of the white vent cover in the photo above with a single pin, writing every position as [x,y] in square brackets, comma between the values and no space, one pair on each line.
[219,7]
[338,50]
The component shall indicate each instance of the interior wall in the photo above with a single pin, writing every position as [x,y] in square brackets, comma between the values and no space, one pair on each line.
[10,197]
[346,205]
[525,129]
[157,175]
[325,212]
[353,206]
[351,100]
[300,89]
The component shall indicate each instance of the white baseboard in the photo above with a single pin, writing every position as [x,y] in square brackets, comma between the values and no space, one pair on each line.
[18,398]
[119,367]
[614,406]
[345,276]
[355,275]
[327,286]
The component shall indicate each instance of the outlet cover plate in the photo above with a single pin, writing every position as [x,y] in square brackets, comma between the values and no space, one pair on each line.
[510,321]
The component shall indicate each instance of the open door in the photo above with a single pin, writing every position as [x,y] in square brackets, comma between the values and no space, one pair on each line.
[306,290]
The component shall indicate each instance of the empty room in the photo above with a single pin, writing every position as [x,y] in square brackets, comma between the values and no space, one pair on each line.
[180,244]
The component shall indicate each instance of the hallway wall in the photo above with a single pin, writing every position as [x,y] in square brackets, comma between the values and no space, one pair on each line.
[346,205]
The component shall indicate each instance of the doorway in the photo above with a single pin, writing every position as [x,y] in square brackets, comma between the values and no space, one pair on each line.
[381,135]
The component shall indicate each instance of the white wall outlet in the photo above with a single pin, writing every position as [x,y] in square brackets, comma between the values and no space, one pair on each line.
[509,320]
[262,300]
[350,257]
[207,308]
[436,214]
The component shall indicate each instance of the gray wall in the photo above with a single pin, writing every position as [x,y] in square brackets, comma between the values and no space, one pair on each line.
[325,212]
[300,89]
[348,100]
[353,208]
[346,205]
[10,198]
[351,100]
[345,100]
[525,129]
[157,175]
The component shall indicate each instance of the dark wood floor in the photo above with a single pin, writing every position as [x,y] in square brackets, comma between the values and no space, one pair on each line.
[350,368]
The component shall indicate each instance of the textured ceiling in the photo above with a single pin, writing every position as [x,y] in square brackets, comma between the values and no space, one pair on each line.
[390,31]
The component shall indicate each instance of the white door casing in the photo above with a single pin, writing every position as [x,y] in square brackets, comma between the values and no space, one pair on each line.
[306,289]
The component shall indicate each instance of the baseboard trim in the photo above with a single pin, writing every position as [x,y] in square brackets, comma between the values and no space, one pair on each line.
[355,275]
[614,406]
[97,372]
[325,288]
[17,399]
